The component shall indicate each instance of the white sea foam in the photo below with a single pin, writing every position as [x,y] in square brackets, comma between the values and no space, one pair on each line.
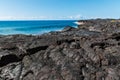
[79,23]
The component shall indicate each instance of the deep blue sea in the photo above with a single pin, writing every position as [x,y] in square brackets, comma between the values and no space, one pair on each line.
[33,27]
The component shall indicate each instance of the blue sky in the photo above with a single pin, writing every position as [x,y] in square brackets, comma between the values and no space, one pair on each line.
[58,9]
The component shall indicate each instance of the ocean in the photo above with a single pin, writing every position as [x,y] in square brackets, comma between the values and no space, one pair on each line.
[33,27]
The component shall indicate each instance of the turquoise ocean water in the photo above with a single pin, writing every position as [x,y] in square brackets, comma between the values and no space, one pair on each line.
[33,27]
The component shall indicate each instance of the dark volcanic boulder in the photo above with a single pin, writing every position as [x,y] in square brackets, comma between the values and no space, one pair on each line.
[72,54]
[68,28]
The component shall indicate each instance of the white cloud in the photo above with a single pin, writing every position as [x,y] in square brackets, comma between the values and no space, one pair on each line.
[70,17]
[75,17]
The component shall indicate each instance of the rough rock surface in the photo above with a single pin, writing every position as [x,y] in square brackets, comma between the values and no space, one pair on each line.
[90,52]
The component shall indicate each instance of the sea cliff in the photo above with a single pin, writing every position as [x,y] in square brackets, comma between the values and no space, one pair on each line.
[89,52]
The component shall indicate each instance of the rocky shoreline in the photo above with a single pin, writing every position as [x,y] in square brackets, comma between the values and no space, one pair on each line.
[89,52]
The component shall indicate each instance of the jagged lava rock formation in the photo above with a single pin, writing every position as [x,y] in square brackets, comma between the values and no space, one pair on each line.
[89,52]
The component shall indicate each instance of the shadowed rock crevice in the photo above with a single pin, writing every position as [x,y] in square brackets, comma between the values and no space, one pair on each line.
[29,72]
[36,49]
[112,60]
[119,43]
[101,45]
[115,36]
[13,48]
[59,42]
[8,59]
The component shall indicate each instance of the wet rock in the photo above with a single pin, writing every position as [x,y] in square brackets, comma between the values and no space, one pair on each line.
[68,28]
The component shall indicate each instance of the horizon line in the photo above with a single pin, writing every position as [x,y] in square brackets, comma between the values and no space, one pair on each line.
[41,20]
[52,19]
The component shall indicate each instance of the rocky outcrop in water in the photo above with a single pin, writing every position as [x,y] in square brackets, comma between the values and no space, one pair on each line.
[89,52]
